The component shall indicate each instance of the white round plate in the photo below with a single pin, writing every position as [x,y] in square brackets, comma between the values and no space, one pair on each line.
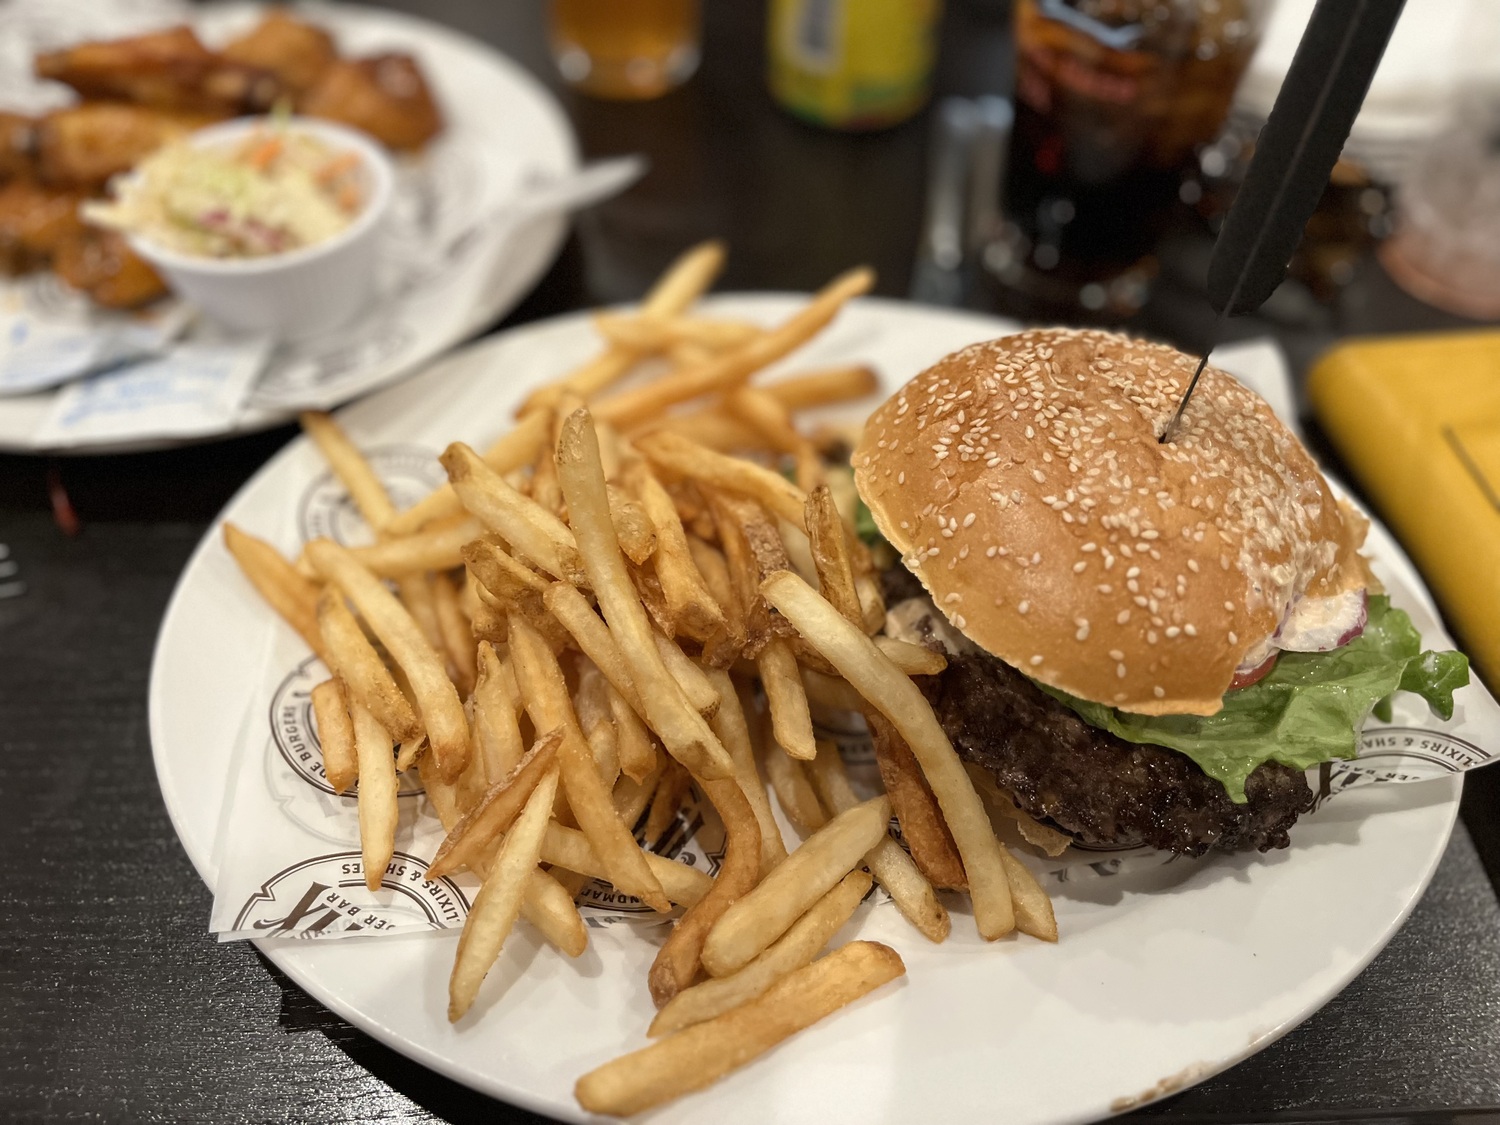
[1160,979]
[450,267]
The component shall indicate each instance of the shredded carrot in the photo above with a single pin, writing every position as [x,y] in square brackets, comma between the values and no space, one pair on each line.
[336,167]
[263,154]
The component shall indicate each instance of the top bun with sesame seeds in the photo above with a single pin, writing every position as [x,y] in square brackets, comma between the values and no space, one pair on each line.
[1023,482]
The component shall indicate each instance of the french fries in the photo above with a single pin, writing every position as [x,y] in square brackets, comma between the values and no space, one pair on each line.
[473,839]
[377,794]
[350,466]
[335,735]
[889,691]
[602,628]
[735,366]
[498,904]
[349,654]
[546,694]
[783,896]
[695,1057]
[795,948]
[676,962]
[442,712]
[922,824]
[682,729]
[290,594]
[531,529]
[896,871]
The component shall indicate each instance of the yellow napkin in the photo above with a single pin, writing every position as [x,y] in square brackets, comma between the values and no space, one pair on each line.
[1418,420]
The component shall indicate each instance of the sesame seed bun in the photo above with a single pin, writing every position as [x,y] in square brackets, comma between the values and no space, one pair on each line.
[1023,483]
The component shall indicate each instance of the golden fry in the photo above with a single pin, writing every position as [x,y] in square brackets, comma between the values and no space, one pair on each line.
[335,734]
[693,1058]
[733,367]
[354,660]
[570,849]
[692,608]
[685,280]
[532,530]
[784,895]
[293,596]
[473,839]
[498,904]
[791,721]
[515,448]
[349,465]
[682,729]
[436,547]
[892,867]
[437,701]
[684,457]
[795,948]
[378,809]
[546,694]
[676,963]
[922,824]
[733,730]
[890,692]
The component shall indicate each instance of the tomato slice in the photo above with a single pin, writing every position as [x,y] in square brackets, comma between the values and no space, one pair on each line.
[1254,675]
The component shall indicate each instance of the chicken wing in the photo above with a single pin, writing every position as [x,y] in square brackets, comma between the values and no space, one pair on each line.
[84,145]
[168,69]
[34,223]
[17,146]
[103,266]
[296,53]
[384,95]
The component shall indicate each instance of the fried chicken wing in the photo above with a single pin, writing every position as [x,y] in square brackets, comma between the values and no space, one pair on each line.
[384,95]
[34,223]
[17,146]
[168,69]
[296,53]
[101,264]
[84,145]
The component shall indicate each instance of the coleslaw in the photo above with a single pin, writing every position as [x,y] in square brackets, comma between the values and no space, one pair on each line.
[275,191]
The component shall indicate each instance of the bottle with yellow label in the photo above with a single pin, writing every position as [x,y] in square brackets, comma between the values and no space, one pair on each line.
[852,64]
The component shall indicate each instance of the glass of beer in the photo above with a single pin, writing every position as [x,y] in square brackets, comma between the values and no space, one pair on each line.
[625,49]
[1113,98]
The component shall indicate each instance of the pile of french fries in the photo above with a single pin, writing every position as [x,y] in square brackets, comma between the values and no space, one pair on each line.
[632,592]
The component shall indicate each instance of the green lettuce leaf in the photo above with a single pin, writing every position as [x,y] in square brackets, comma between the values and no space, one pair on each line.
[1308,710]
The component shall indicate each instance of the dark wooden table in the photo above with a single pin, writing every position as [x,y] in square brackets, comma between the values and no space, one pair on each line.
[115,1003]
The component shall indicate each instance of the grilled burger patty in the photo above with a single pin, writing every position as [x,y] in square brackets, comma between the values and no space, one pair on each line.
[1099,788]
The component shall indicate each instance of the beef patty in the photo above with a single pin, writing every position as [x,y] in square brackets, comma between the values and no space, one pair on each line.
[1098,788]
[1091,784]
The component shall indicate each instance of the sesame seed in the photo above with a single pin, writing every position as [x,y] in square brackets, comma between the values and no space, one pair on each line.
[1159,692]
[1120,671]
[1123,617]
[1023,606]
[1035,660]
[1190,631]
[1079,567]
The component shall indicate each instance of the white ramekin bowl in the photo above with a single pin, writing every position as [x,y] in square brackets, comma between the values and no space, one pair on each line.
[300,292]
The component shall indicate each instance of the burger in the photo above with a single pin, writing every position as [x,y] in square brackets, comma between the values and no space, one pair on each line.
[1150,642]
